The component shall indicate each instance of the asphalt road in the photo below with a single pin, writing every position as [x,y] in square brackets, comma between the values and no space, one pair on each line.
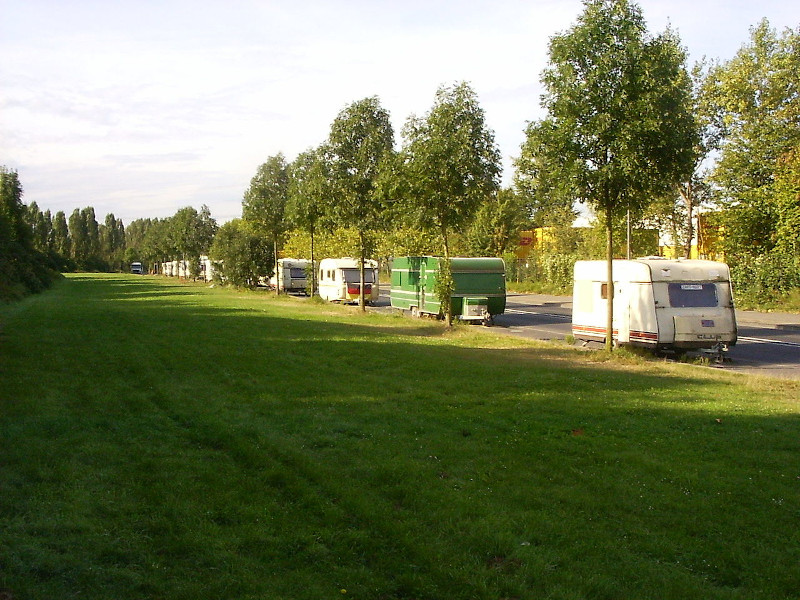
[768,345]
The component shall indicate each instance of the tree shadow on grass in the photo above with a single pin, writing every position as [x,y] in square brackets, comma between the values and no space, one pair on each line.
[386,457]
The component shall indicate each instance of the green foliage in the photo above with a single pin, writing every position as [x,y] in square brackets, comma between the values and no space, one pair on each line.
[112,243]
[360,147]
[191,234]
[787,201]
[618,106]
[338,242]
[23,268]
[763,277]
[452,164]
[264,203]
[309,198]
[497,223]
[543,272]
[241,255]
[360,142]
[757,98]
[445,285]
[543,180]
[62,244]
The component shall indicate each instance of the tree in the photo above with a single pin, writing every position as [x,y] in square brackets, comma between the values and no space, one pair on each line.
[157,243]
[61,239]
[360,146]
[619,120]
[23,269]
[757,98]
[309,197]
[112,242]
[542,180]
[191,234]
[93,260]
[38,225]
[695,189]
[79,237]
[497,224]
[264,203]
[240,254]
[452,166]
[787,199]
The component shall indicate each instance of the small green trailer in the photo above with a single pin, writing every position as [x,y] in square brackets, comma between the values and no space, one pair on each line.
[479,287]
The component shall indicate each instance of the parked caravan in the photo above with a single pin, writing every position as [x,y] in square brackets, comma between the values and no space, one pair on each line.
[659,304]
[137,268]
[339,280]
[291,276]
[479,287]
[206,269]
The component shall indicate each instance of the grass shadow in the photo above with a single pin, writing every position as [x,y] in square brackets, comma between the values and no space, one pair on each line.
[237,445]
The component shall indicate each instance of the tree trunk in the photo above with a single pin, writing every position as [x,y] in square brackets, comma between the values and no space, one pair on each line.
[609,282]
[275,265]
[689,200]
[313,268]
[448,308]
[361,302]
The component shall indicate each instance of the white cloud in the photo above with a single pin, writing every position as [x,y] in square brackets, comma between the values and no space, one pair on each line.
[142,107]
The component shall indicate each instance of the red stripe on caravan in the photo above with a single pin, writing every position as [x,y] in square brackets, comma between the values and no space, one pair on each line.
[591,330]
[644,335]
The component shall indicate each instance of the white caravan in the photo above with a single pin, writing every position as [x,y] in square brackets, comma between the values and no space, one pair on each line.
[339,280]
[659,304]
[291,275]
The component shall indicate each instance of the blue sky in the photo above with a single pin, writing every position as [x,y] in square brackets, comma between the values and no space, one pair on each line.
[142,107]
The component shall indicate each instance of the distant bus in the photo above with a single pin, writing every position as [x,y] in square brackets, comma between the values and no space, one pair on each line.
[136,268]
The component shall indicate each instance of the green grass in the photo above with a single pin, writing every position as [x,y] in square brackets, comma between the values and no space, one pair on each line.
[166,440]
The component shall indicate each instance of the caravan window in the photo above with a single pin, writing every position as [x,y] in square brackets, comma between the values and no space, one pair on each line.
[352,276]
[701,295]
[298,273]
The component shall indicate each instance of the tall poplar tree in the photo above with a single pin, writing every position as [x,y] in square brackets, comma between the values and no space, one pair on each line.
[264,203]
[61,240]
[452,166]
[619,123]
[310,193]
[360,147]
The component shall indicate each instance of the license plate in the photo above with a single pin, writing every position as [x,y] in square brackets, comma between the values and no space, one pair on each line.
[707,323]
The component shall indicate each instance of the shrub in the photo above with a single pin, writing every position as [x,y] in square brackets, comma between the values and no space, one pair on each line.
[765,276]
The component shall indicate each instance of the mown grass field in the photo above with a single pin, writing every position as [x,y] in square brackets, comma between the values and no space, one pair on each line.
[167,440]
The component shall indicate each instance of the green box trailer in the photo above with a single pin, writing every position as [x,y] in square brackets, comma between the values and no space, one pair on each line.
[479,287]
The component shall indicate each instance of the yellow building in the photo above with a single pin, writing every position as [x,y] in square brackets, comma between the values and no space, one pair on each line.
[707,243]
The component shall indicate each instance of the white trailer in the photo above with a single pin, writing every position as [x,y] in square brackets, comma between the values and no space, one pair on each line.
[672,305]
[339,280]
[292,275]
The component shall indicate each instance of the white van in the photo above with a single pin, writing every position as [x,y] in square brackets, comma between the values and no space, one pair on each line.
[291,275]
[658,304]
[339,280]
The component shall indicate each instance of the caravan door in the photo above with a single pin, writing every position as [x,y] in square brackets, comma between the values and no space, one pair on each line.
[643,326]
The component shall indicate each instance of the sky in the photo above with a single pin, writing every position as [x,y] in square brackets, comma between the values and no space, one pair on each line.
[141,107]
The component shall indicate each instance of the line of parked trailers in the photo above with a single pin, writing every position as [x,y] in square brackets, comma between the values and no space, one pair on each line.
[659,304]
